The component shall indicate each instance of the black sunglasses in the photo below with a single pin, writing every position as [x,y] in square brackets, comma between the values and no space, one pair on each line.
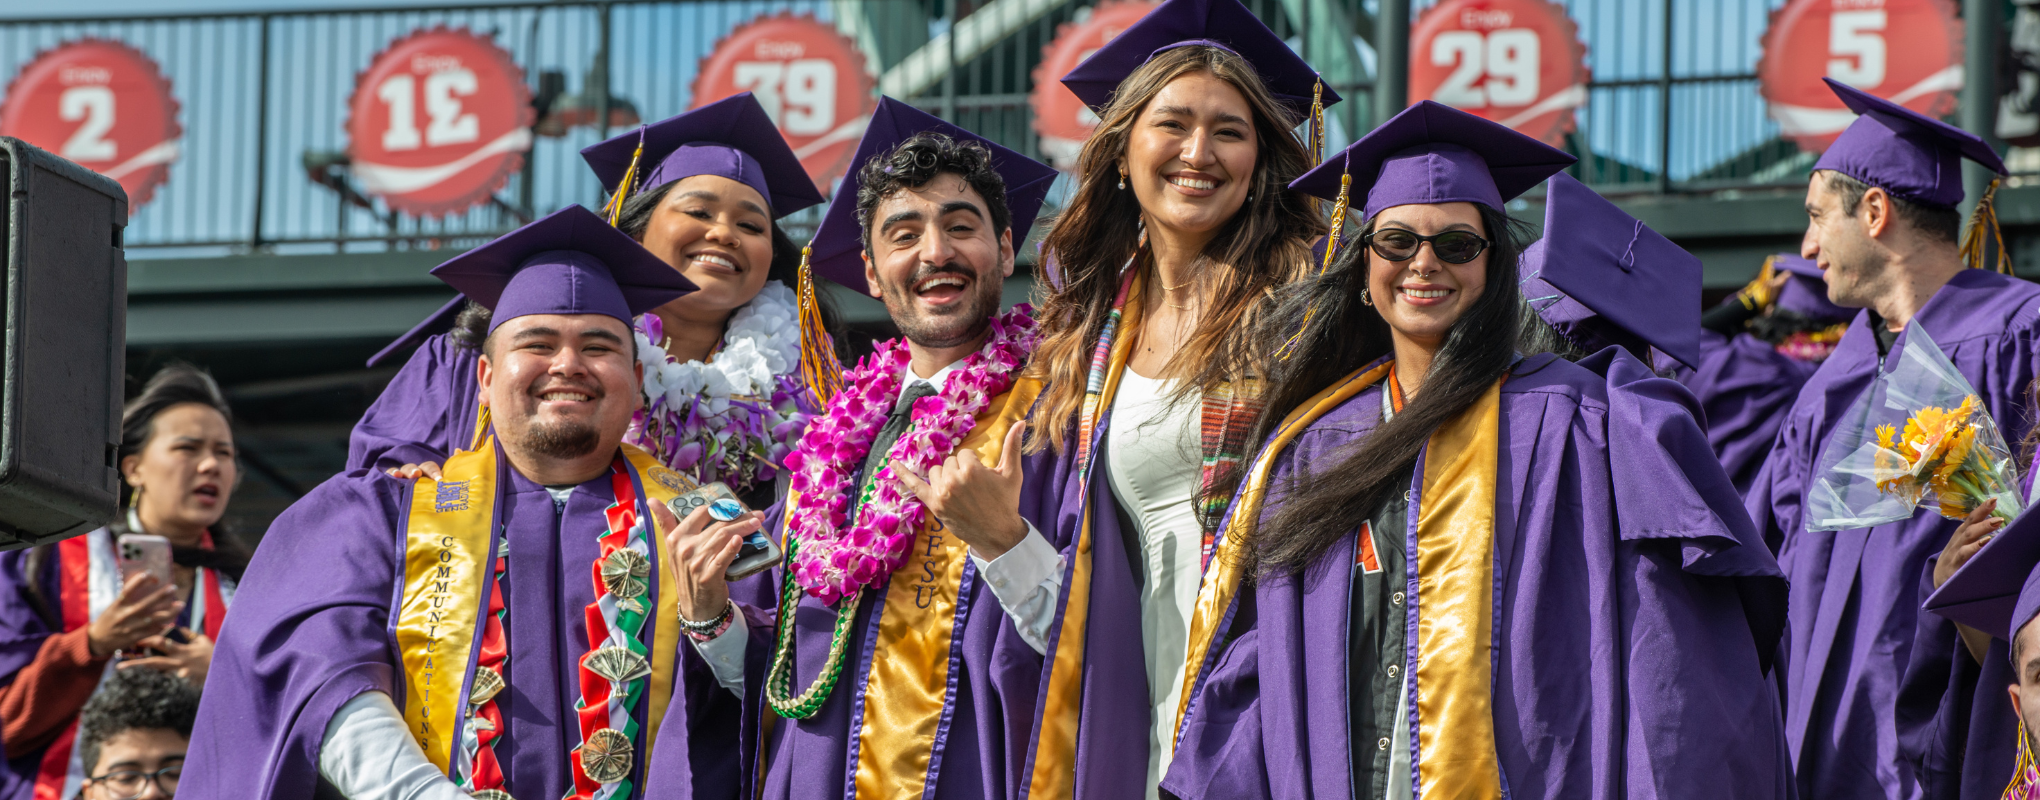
[1451,247]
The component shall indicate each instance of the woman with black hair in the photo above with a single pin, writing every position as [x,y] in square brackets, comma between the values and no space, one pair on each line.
[723,396]
[1454,571]
[68,612]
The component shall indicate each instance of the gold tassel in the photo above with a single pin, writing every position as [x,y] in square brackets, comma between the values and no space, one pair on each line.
[1338,225]
[614,210]
[1317,122]
[2021,766]
[818,365]
[1982,238]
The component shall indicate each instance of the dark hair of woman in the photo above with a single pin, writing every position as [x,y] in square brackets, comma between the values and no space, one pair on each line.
[472,326]
[1344,335]
[1262,247]
[174,385]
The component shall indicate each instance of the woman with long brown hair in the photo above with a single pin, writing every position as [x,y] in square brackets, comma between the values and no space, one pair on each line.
[1454,570]
[1179,226]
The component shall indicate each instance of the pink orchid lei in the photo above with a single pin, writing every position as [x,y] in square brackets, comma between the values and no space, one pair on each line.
[835,560]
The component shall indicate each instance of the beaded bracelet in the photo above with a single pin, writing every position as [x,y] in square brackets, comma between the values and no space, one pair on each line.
[704,631]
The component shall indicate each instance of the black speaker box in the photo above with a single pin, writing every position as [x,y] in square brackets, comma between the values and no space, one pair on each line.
[64,301]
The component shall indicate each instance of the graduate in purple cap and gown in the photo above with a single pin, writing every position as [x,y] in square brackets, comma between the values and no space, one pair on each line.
[507,630]
[1991,599]
[1178,228]
[701,191]
[911,661]
[1883,229]
[1456,571]
[1597,288]
[1756,349]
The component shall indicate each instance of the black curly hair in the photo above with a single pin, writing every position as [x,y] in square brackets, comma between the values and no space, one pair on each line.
[135,699]
[917,161]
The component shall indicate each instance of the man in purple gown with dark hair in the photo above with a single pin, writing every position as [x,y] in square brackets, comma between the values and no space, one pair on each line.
[1883,229]
[505,630]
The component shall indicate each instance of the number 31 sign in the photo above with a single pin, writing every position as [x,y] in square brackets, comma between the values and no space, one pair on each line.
[810,79]
[438,122]
[102,104]
[1517,62]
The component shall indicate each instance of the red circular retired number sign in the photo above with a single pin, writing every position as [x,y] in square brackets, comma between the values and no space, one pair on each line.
[1517,62]
[102,104]
[438,122]
[1062,120]
[810,79]
[1905,51]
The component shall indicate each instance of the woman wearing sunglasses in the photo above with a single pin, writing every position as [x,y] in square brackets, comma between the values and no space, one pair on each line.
[1456,571]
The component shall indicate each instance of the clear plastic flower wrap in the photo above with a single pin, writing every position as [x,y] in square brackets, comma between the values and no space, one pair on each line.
[1919,438]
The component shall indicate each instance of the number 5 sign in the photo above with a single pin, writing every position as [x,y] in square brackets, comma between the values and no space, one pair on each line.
[1517,62]
[1906,51]
[438,122]
[102,104]
[810,79]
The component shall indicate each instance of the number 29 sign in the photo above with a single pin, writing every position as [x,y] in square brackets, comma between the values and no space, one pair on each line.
[1905,51]
[1517,62]
[438,122]
[810,79]
[102,104]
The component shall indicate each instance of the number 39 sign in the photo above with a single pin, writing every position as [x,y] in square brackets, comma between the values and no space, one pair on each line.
[438,122]
[810,79]
[102,104]
[1517,62]
[1906,51]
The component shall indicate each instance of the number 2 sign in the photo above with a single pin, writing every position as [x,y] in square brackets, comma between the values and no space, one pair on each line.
[438,122]
[102,104]
[810,79]
[1906,51]
[1517,62]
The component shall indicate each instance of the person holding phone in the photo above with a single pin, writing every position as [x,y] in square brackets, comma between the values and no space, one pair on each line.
[57,636]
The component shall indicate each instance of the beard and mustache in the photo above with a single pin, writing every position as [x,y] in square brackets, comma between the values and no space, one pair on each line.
[949,328]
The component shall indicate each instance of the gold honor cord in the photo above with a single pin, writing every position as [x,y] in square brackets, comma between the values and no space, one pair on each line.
[1222,581]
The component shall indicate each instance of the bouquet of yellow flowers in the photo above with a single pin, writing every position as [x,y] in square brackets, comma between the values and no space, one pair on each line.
[1919,437]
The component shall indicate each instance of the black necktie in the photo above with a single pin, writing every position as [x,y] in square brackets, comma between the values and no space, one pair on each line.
[895,426]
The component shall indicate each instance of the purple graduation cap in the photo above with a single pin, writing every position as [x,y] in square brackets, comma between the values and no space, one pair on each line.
[569,262]
[1806,293]
[440,322]
[1224,24]
[1998,590]
[731,137]
[1911,155]
[1434,153]
[838,245]
[1633,280]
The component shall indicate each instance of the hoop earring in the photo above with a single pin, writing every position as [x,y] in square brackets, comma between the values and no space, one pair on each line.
[1366,299]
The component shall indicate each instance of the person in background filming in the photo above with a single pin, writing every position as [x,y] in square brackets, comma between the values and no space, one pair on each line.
[134,734]
[69,611]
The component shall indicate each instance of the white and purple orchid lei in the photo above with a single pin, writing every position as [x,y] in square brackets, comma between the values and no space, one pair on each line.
[735,418]
[835,559]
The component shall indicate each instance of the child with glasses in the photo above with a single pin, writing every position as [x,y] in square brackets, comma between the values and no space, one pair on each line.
[133,734]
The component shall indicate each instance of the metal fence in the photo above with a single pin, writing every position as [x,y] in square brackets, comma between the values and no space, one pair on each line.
[1673,104]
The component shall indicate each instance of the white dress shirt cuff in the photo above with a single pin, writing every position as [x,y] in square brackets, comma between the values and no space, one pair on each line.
[1028,581]
[725,653]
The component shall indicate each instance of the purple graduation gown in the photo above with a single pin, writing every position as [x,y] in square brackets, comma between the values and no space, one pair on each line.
[995,677]
[1856,594]
[1634,604]
[1744,387]
[311,630]
[425,414]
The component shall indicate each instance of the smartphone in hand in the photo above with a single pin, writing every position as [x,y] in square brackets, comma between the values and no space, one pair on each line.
[143,552]
[758,553]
